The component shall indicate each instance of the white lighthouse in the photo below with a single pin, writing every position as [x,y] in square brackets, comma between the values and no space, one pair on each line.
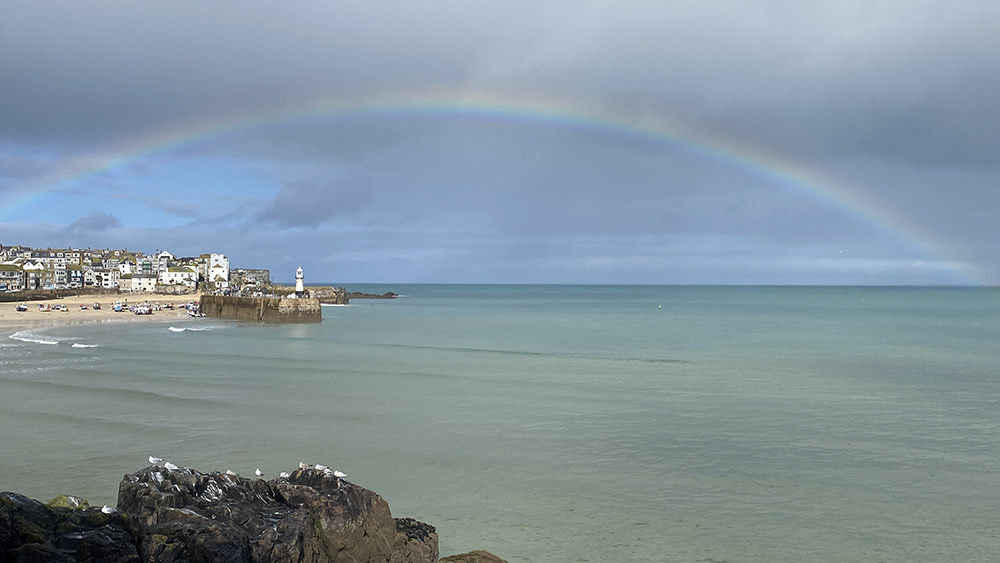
[299,282]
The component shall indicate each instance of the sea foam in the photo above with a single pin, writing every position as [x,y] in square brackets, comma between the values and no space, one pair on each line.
[28,336]
[194,329]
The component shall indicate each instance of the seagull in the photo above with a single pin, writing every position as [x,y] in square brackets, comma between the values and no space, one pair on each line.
[339,474]
[169,466]
[284,475]
[303,465]
[230,472]
[258,472]
[320,467]
[108,509]
[155,460]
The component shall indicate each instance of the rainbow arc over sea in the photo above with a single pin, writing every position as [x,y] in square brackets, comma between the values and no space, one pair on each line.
[785,171]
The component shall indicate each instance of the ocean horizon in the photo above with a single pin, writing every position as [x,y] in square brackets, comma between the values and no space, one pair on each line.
[561,422]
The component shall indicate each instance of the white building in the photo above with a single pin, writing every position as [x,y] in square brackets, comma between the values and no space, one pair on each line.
[217,271]
[163,261]
[143,284]
[106,278]
[179,275]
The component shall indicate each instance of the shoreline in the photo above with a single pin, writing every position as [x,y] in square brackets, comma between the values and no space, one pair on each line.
[13,321]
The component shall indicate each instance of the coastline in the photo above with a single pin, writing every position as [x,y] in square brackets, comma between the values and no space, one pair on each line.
[12,321]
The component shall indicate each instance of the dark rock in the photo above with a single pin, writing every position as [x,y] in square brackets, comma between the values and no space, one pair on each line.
[309,516]
[32,531]
[360,295]
[182,515]
[477,556]
[68,501]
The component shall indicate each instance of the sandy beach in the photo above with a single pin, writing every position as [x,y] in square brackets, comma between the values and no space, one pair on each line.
[12,320]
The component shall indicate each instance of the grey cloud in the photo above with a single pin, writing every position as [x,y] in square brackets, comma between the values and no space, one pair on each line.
[907,80]
[15,169]
[310,203]
[906,88]
[94,222]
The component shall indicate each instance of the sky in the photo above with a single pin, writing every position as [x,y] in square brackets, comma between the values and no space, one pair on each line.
[628,142]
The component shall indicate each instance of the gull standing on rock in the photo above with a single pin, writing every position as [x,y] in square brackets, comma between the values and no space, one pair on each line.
[320,467]
[258,472]
[339,474]
[284,475]
[155,460]
[108,509]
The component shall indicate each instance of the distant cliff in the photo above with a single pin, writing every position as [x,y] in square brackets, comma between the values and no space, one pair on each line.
[172,514]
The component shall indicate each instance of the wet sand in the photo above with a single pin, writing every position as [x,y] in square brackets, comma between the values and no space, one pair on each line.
[12,320]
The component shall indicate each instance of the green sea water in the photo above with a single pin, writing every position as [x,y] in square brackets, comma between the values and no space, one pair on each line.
[561,423]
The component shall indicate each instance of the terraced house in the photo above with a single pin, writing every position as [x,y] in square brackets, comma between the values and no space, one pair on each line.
[68,268]
[11,277]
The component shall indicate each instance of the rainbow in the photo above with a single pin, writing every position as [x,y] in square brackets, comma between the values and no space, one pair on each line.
[507,106]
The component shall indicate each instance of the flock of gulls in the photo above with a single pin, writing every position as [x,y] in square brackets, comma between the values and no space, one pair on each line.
[284,475]
[106,509]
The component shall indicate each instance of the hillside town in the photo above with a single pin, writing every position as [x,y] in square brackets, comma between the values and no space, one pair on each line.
[23,268]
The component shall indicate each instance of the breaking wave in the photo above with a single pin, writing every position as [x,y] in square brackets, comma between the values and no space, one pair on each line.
[28,336]
[194,329]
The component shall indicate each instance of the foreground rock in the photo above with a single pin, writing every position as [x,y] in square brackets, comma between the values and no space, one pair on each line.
[32,531]
[180,514]
[477,556]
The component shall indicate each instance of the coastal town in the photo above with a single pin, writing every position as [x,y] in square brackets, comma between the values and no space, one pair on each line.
[28,269]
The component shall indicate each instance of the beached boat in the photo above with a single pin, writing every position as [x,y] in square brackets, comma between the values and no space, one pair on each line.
[22,307]
[97,306]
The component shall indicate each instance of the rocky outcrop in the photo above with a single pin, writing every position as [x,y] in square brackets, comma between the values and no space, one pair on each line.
[32,531]
[167,513]
[477,556]
[180,514]
[330,295]
[360,295]
[311,515]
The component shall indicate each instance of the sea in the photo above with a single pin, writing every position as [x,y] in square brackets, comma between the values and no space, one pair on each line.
[561,423]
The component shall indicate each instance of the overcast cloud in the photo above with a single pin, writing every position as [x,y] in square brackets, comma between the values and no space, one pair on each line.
[892,103]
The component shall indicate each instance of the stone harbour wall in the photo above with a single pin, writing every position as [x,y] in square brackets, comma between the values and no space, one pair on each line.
[262,309]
